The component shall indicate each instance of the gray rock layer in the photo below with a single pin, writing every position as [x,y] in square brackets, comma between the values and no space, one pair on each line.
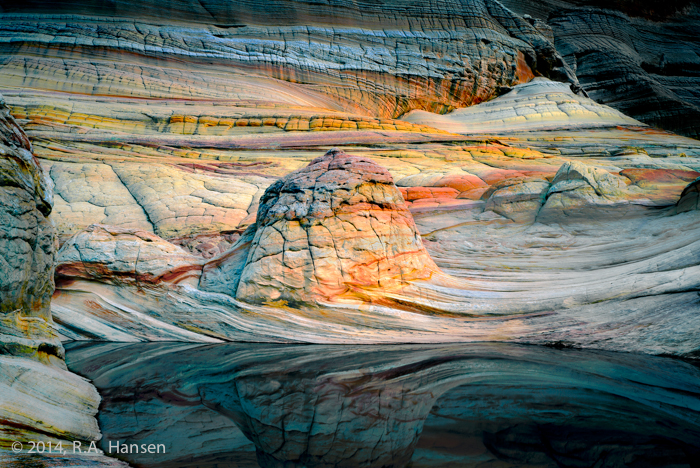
[642,58]
[39,399]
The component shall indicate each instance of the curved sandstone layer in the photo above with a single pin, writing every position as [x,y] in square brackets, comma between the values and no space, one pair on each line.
[557,219]
[551,276]
[383,58]
[540,104]
[639,57]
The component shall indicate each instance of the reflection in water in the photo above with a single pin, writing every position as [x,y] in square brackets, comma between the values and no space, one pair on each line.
[486,405]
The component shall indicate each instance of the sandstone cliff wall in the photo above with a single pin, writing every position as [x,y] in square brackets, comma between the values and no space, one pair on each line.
[27,241]
[39,399]
[641,58]
[379,59]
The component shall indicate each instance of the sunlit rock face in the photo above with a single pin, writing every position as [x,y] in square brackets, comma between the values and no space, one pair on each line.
[422,406]
[540,272]
[541,209]
[336,226]
[540,104]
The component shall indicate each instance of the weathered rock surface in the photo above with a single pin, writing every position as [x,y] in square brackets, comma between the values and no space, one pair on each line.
[153,125]
[519,199]
[27,249]
[334,228]
[690,197]
[649,70]
[559,279]
[39,399]
[117,255]
[639,57]
[385,59]
[585,191]
[27,245]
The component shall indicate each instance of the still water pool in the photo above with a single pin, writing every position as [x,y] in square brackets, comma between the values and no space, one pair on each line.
[465,405]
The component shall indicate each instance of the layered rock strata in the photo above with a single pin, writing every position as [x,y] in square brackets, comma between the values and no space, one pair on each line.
[166,133]
[649,70]
[540,104]
[385,59]
[639,57]
[550,276]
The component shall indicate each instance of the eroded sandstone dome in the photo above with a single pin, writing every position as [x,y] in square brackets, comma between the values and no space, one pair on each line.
[333,228]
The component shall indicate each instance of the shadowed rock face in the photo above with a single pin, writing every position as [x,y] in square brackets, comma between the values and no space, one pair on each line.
[109,254]
[337,225]
[27,237]
[690,198]
[430,406]
[39,399]
[27,249]
[647,70]
[645,65]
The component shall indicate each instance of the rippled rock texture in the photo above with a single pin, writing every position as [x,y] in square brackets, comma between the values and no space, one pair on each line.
[540,104]
[319,406]
[383,58]
[27,239]
[538,272]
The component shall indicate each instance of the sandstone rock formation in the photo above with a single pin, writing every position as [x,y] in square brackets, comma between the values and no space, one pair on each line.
[690,197]
[27,245]
[544,212]
[457,53]
[540,104]
[336,227]
[558,279]
[39,398]
[585,191]
[519,199]
[639,57]
[117,255]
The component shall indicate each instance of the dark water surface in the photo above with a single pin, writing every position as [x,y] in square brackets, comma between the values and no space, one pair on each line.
[481,405]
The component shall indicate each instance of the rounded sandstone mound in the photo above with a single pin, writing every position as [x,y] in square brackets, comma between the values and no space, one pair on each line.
[329,231]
